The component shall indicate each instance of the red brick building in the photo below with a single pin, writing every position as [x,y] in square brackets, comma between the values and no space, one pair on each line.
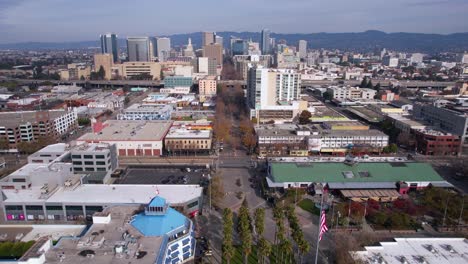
[436,143]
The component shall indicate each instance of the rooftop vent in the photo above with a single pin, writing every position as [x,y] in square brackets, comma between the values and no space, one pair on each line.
[348,174]
[364,174]
[398,164]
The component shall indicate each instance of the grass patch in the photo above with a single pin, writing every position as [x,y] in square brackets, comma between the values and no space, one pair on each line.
[309,206]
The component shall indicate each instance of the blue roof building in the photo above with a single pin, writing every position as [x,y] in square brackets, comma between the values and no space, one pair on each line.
[177,231]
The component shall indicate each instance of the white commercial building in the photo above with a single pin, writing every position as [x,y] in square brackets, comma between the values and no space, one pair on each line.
[133,138]
[441,250]
[146,112]
[342,93]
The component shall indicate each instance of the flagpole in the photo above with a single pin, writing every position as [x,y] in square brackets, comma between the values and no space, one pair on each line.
[319,227]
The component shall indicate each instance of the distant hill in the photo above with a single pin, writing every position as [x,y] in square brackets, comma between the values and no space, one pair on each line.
[362,41]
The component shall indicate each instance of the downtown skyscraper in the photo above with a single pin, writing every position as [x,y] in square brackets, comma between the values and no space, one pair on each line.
[138,49]
[109,45]
[265,42]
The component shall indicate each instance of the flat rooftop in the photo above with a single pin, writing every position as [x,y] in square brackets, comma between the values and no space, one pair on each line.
[416,250]
[365,113]
[107,194]
[333,172]
[122,130]
[101,240]
[58,147]
[148,108]
[15,118]
[177,133]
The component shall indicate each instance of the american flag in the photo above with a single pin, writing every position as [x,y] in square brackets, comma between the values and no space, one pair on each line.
[323,225]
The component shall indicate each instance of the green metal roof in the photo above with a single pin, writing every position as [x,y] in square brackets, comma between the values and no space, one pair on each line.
[361,172]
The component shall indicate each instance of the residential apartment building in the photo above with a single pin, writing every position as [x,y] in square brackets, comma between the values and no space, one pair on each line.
[29,126]
[134,68]
[146,112]
[272,89]
[207,86]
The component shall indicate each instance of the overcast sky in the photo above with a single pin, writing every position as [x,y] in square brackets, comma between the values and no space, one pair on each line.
[75,20]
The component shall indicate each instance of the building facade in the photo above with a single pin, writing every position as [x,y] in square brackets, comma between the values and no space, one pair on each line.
[16,127]
[435,143]
[109,45]
[146,112]
[207,86]
[138,49]
[133,68]
[104,61]
[214,51]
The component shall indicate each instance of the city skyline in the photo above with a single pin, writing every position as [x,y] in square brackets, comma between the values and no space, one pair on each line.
[51,20]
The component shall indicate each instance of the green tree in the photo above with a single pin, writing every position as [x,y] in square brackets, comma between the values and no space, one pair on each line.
[377,87]
[363,83]
[245,231]
[4,144]
[84,121]
[369,84]
[263,250]
[304,117]
[216,190]
[327,96]
[228,248]
[259,221]
[101,73]
[304,247]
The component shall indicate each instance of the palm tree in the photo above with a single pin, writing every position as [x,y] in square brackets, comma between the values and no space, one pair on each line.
[304,247]
[286,251]
[228,249]
[264,249]
[259,222]
[245,230]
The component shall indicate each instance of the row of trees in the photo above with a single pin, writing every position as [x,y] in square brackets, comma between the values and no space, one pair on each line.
[249,140]
[288,243]
[245,229]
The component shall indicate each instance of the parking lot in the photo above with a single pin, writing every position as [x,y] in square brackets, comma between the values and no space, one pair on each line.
[164,175]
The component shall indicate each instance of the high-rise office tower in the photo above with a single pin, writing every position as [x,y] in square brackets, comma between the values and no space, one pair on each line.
[214,51]
[153,48]
[109,45]
[164,48]
[208,38]
[138,49]
[239,47]
[302,49]
[265,42]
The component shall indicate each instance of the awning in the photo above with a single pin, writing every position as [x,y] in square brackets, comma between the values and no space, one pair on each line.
[362,185]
